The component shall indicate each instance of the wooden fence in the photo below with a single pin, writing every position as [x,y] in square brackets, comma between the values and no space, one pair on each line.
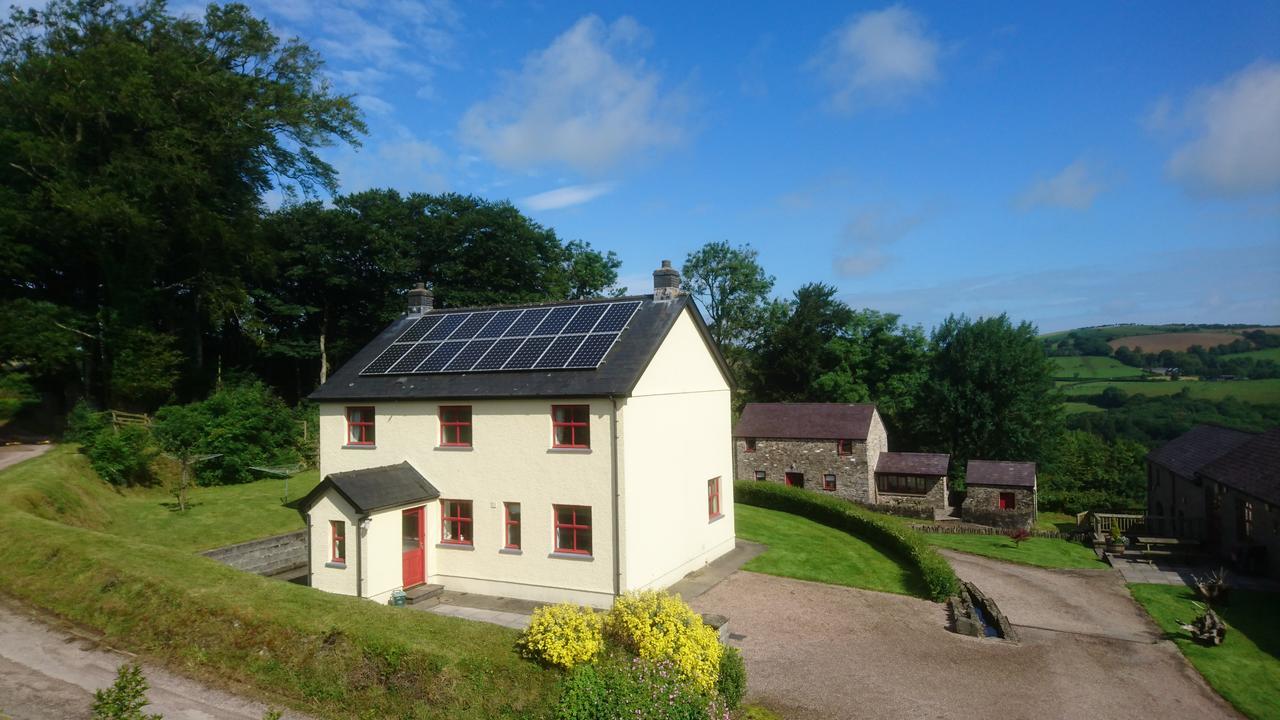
[120,418]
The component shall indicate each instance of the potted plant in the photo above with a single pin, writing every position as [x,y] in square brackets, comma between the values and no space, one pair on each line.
[1115,541]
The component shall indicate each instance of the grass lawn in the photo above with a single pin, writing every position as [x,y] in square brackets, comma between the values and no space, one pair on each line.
[1257,391]
[1061,522]
[806,550]
[1041,552]
[1245,669]
[1268,354]
[1075,408]
[1087,366]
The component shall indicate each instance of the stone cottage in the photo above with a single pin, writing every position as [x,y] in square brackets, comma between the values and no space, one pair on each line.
[913,480]
[1000,493]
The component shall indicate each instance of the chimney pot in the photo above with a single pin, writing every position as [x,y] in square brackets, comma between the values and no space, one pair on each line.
[420,299]
[666,282]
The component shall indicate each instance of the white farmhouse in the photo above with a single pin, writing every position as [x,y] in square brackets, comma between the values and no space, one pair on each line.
[559,452]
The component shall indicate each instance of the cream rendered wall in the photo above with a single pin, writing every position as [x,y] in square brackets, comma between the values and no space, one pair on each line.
[511,459]
[676,435]
[330,507]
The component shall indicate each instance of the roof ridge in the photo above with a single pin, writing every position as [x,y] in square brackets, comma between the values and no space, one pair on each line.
[514,306]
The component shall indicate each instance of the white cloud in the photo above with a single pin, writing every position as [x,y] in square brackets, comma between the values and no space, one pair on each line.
[567,196]
[1237,148]
[375,104]
[586,101]
[865,238]
[404,162]
[1074,188]
[877,58]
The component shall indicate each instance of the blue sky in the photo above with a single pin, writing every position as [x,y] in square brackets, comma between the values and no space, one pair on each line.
[1070,163]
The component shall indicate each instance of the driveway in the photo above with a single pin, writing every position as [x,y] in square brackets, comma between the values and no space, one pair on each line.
[817,651]
[14,454]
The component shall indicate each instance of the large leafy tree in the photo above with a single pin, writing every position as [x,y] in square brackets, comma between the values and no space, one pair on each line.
[989,394]
[793,353]
[730,287]
[136,147]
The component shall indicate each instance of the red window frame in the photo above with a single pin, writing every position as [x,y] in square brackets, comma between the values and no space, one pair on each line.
[337,541]
[509,524]
[456,425]
[578,429]
[1008,501]
[713,498]
[841,445]
[459,523]
[366,429]
[829,482]
[573,526]
[749,444]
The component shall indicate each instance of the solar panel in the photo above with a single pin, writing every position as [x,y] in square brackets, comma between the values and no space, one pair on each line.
[545,338]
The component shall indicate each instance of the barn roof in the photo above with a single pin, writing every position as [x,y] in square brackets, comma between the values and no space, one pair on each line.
[1253,467]
[1003,473]
[805,421]
[376,488]
[908,463]
[1197,447]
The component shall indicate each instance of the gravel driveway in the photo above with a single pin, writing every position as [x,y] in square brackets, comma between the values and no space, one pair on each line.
[828,652]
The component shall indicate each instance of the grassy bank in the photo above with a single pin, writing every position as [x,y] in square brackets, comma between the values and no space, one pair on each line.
[1040,552]
[326,654]
[1245,669]
[803,549]
[1255,391]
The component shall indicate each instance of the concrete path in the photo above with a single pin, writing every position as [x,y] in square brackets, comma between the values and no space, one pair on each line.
[14,454]
[823,652]
[48,671]
[1162,573]
[513,620]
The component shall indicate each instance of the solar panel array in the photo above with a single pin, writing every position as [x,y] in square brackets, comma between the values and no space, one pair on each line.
[563,337]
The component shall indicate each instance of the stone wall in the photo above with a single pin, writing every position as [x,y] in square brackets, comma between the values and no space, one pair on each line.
[935,497]
[982,507]
[269,556]
[813,458]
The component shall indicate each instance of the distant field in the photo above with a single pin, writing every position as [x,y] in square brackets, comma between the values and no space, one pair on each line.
[1256,391]
[1268,354]
[1177,341]
[1092,367]
[1075,408]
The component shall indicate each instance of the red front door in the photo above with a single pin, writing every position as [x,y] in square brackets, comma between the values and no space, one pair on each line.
[794,479]
[414,557]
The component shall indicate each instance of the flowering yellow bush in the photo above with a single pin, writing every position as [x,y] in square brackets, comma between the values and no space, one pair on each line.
[656,626]
[563,635]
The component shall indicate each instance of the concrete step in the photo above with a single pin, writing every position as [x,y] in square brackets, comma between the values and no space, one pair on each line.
[424,594]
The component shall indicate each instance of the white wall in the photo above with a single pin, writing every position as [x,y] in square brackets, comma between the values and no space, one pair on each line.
[676,436]
[329,507]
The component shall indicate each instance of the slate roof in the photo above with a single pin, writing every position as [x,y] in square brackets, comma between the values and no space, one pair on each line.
[1003,473]
[907,463]
[616,376]
[1253,467]
[376,488]
[1196,448]
[805,421]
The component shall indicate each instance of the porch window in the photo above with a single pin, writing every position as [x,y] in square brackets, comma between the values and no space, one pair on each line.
[829,483]
[573,529]
[713,498]
[844,447]
[455,426]
[760,475]
[749,445]
[360,426]
[902,484]
[455,522]
[511,511]
[1008,501]
[570,425]
[338,541]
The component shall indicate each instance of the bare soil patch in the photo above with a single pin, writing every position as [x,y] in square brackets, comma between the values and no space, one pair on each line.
[1177,342]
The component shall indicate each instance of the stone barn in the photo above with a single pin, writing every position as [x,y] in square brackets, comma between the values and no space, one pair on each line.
[1000,494]
[913,480]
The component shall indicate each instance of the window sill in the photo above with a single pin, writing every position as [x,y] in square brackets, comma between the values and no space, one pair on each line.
[714,518]
[336,565]
[510,551]
[370,446]
[456,546]
[455,448]
[571,556]
[570,450]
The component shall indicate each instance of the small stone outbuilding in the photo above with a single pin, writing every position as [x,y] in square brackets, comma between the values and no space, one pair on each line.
[1000,493]
[915,480]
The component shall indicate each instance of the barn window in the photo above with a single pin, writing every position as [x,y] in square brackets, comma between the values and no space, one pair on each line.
[829,483]
[1008,501]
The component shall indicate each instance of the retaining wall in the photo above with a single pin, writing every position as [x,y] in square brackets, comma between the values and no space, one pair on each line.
[268,556]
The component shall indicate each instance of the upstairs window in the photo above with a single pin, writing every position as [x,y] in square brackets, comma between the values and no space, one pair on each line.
[455,426]
[571,426]
[713,498]
[844,447]
[338,541]
[573,529]
[360,426]
[511,540]
[455,522]
[750,444]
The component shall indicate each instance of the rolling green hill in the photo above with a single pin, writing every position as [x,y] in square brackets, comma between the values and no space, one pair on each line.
[1091,367]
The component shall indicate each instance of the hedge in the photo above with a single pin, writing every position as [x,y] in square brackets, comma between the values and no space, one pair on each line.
[902,542]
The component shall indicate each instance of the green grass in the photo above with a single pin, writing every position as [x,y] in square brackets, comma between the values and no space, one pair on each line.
[317,652]
[1268,354]
[1245,669]
[1041,552]
[806,550]
[1256,391]
[1086,367]
[1075,408]
[1061,522]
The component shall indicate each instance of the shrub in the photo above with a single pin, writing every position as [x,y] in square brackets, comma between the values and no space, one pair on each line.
[902,542]
[122,456]
[628,689]
[563,635]
[125,698]
[656,626]
[84,423]
[732,684]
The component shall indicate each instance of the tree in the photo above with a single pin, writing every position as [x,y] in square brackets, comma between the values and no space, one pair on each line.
[990,392]
[794,352]
[730,287]
[179,430]
[137,147]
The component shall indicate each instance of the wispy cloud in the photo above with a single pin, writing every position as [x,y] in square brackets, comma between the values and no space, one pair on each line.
[877,58]
[866,236]
[1236,145]
[567,196]
[1075,187]
[587,101]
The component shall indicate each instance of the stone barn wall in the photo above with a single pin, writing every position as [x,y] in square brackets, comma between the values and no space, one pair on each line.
[982,507]
[813,458]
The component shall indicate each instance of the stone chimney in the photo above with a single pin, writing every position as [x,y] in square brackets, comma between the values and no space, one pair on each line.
[666,282]
[420,299]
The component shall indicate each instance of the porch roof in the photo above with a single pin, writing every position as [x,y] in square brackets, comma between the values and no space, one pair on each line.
[373,489]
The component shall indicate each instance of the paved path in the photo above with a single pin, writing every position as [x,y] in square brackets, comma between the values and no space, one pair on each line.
[49,672]
[14,454]
[1163,573]
[822,652]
